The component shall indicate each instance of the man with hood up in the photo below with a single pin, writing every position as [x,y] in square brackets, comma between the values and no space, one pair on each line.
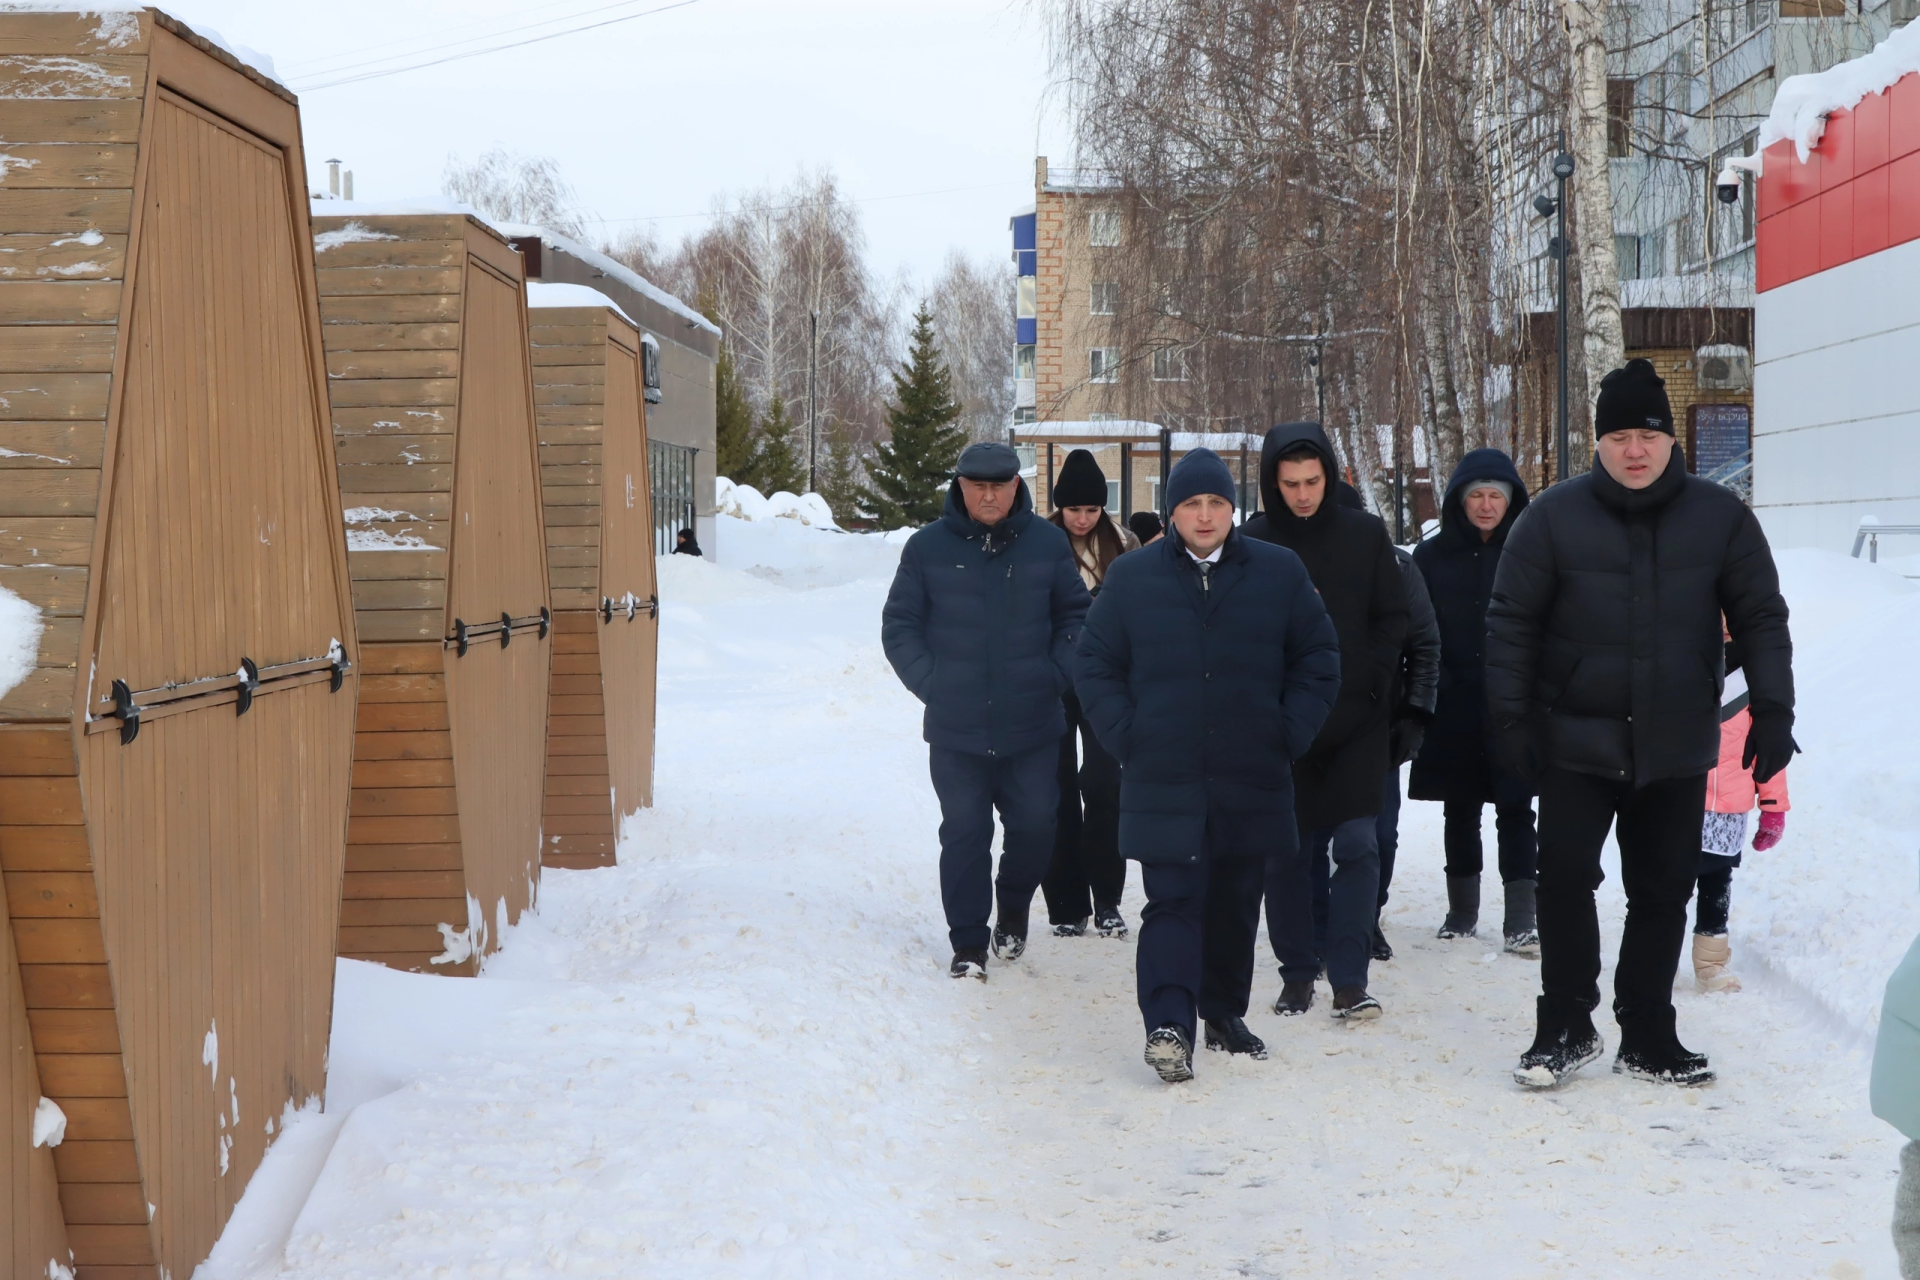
[1455,766]
[980,625]
[1339,782]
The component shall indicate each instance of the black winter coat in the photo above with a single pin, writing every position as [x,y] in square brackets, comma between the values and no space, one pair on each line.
[1350,558]
[980,625]
[1605,623]
[1206,696]
[1456,760]
[1416,682]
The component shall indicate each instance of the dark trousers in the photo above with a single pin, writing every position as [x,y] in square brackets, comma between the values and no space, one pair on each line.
[1387,832]
[1087,869]
[1196,940]
[1658,830]
[1353,897]
[970,788]
[1714,901]
[1513,827]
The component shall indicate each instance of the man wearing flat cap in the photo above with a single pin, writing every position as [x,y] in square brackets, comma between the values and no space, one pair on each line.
[980,625]
[1604,671]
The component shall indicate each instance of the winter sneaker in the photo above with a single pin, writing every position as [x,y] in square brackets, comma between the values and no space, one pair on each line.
[1382,950]
[1170,1053]
[1521,931]
[1668,1064]
[1295,998]
[1463,908]
[968,964]
[1557,1054]
[1109,921]
[1232,1035]
[1353,1004]
[1071,930]
[1010,934]
[1711,954]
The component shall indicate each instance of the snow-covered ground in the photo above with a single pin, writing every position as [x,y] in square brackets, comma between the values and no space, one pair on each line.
[738,1054]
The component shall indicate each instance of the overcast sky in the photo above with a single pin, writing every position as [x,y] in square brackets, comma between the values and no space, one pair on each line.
[655,118]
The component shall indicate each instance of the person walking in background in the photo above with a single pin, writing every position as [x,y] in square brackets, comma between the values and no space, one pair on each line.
[1894,1094]
[1412,698]
[1604,668]
[1207,665]
[1146,527]
[980,625]
[685,544]
[1731,796]
[1338,783]
[1087,875]
[1455,766]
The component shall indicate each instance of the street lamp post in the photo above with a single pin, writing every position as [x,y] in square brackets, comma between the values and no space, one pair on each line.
[1555,206]
[813,400]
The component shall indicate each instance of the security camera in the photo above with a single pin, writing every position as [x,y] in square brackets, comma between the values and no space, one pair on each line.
[1727,185]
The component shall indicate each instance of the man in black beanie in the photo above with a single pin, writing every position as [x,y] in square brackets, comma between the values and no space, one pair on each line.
[1604,669]
[1207,664]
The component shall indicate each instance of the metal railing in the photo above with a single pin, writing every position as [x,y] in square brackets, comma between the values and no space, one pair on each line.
[125,708]
[1870,532]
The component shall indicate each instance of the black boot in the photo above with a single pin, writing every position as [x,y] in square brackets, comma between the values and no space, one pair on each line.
[1521,932]
[1010,933]
[969,964]
[1564,1042]
[1108,920]
[1463,907]
[1295,997]
[1382,950]
[1170,1053]
[1232,1035]
[1071,929]
[1650,1049]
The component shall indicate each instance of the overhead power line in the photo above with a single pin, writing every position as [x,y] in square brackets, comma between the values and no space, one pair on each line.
[498,48]
[314,68]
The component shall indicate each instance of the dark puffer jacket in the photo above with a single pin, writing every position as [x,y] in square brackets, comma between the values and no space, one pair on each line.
[1456,761]
[1205,697]
[980,625]
[1350,558]
[1414,684]
[1605,623]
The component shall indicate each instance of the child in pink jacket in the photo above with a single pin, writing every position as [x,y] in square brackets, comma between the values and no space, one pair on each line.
[1731,796]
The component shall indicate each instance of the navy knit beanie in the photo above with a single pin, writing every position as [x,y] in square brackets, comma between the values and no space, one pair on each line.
[1633,397]
[1201,471]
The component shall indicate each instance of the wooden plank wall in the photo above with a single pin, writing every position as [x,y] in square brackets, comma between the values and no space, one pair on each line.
[432,413]
[36,1233]
[599,527]
[169,899]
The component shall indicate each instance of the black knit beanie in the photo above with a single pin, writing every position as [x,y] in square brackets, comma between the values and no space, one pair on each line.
[1633,397]
[1146,526]
[1081,482]
[1201,471]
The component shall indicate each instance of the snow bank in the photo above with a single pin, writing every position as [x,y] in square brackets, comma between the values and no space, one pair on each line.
[570,295]
[1803,103]
[744,502]
[789,553]
[1835,905]
[20,628]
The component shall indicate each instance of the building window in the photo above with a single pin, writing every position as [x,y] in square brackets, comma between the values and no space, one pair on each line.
[1170,364]
[1103,228]
[1626,257]
[1106,298]
[1023,360]
[1113,495]
[1173,235]
[1619,118]
[1026,302]
[1103,364]
[671,470]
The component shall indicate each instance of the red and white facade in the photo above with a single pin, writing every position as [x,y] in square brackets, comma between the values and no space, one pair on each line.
[1837,326]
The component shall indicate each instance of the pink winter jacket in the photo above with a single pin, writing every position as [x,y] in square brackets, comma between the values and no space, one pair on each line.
[1730,788]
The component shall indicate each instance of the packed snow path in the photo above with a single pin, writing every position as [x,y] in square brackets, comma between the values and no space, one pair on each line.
[738,1054]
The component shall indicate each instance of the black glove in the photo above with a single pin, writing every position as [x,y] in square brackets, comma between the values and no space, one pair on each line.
[1404,738]
[1516,750]
[1770,744]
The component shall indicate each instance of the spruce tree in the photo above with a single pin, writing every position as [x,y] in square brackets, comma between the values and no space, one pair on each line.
[732,415]
[911,469]
[840,476]
[776,465]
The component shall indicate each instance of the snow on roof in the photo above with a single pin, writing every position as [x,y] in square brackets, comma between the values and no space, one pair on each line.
[542,294]
[442,205]
[1802,104]
[120,25]
[607,266]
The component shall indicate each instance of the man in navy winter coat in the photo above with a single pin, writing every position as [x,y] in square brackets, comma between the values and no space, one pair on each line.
[1207,666]
[980,626]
